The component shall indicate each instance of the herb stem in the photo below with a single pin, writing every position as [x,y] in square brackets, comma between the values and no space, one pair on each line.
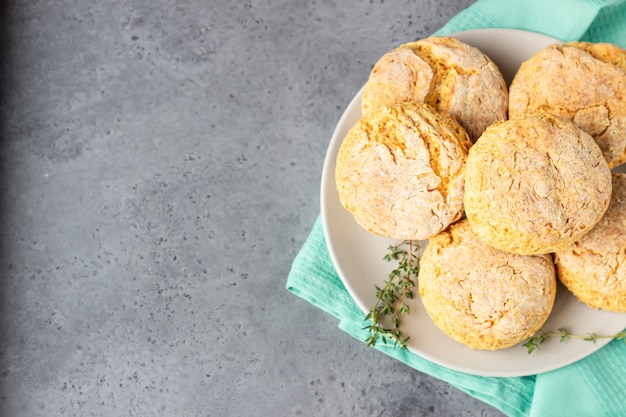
[535,342]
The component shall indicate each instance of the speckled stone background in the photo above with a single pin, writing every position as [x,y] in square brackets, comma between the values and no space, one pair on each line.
[160,165]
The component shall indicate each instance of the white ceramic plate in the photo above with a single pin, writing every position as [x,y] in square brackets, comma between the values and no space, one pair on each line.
[357,255]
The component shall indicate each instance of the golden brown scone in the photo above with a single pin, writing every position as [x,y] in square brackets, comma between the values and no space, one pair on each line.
[583,82]
[535,184]
[483,297]
[444,72]
[399,171]
[594,268]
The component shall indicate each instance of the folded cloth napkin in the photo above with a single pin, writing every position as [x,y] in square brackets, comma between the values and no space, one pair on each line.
[594,386]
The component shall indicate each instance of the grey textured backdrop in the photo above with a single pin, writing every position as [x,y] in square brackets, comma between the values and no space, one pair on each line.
[160,169]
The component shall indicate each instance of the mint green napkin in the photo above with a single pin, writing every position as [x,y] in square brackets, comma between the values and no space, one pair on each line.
[594,386]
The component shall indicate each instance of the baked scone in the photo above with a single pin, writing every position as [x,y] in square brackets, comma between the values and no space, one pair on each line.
[445,73]
[583,82]
[483,297]
[535,184]
[399,171]
[594,268]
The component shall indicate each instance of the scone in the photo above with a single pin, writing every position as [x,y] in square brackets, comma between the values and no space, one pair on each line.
[594,268]
[535,184]
[444,72]
[480,296]
[399,171]
[583,82]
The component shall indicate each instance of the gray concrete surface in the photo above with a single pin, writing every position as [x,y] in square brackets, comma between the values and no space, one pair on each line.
[160,165]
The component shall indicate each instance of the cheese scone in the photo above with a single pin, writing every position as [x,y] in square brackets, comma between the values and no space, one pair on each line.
[399,171]
[594,268]
[480,296]
[445,73]
[583,82]
[535,184]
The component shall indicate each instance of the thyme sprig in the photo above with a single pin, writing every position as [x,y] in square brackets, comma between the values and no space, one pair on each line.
[536,341]
[391,299]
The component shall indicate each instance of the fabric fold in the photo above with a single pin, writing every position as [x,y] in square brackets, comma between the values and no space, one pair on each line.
[536,15]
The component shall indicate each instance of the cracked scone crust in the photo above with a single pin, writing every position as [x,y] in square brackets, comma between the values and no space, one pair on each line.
[583,82]
[594,268]
[482,297]
[399,171]
[535,184]
[445,73]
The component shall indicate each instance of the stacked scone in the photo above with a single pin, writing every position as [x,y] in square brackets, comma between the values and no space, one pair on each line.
[512,187]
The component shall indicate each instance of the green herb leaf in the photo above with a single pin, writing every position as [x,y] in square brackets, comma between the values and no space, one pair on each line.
[591,337]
